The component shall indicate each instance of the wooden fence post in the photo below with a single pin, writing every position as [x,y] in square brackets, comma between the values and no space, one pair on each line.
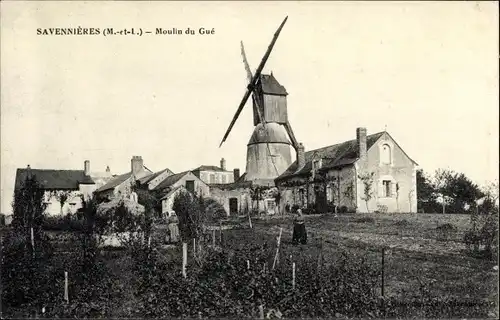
[320,256]
[194,248]
[184,258]
[383,258]
[250,220]
[277,249]
[213,238]
[66,293]
[32,242]
[293,275]
[248,265]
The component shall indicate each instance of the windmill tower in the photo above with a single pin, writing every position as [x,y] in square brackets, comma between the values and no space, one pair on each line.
[268,150]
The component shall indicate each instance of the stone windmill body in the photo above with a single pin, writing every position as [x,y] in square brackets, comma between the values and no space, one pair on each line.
[268,150]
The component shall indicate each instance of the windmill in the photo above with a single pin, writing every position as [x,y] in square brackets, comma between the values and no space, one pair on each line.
[268,150]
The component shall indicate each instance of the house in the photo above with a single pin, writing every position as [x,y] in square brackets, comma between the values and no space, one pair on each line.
[120,186]
[216,175]
[173,184]
[369,173]
[64,190]
[153,180]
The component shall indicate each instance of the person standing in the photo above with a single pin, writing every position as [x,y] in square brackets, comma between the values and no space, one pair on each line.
[299,229]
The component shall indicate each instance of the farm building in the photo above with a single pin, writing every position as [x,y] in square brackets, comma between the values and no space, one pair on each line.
[120,186]
[214,174]
[336,176]
[172,184]
[64,189]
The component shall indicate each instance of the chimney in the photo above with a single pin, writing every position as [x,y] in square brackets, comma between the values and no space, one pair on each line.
[223,164]
[361,142]
[136,165]
[301,156]
[236,173]
[108,170]
[86,167]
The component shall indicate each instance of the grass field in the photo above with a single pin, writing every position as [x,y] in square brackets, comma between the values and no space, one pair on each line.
[419,250]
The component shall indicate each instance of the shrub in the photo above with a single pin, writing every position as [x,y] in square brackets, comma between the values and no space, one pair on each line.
[214,210]
[66,223]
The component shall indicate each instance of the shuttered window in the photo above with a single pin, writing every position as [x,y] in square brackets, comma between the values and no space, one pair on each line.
[387,188]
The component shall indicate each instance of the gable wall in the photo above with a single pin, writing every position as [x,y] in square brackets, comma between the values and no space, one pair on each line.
[402,170]
[156,181]
[200,187]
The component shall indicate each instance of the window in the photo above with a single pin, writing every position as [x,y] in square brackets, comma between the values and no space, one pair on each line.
[302,196]
[387,188]
[386,156]
[223,179]
[212,178]
[190,186]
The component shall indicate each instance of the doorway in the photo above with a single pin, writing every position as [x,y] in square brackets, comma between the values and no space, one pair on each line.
[233,206]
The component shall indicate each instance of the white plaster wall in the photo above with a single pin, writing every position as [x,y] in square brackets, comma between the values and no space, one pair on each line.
[401,170]
[72,204]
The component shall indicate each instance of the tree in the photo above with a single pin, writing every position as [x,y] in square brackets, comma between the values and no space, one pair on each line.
[367,180]
[151,204]
[441,178]
[489,202]
[461,191]
[28,207]
[62,197]
[427,194]
[188,211]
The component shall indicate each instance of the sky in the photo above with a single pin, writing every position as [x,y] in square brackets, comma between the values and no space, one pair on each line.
[426,71]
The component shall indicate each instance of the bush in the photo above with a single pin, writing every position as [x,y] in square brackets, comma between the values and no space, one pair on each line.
[214,210]
[66,223]
[309,211]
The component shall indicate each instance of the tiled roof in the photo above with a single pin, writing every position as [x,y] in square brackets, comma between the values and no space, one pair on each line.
[170,180]
[147,179]
[271,86]
[208,168]
[238,184]
[54,179]
[171,192]
[115,182]
[336,155]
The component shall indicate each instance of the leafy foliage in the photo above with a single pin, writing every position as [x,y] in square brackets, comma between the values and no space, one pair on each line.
[225,286]
[28,206]
[367,180]
[34,279]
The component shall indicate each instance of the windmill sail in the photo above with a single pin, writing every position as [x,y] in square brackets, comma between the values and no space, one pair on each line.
[255,97]
[253,81]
